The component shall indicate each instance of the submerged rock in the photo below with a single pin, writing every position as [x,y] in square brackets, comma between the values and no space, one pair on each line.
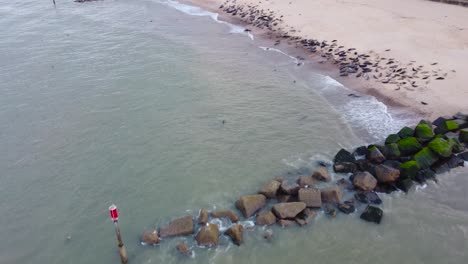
[372,214]
[364,181]
[321,174]
[270,189]
[347,207]
[178,227]
[235,233]
[288,210]
[183,249]
[208,235]
[230,214]
[307,215]
[249,204]
[150,237]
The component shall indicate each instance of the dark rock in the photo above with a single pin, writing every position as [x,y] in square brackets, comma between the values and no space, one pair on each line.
[311,197]
[229,214]
[392,138]
[308,215]
[457,147]
[289,187]
[392,163]
[249,204]
[360,151]
[270,189]
[331,195]
[321,174]
[441,167]
[150,237]
[203,216]
[366,165]
[393,151]
[178,227]
[406,158]
[409,146]
[364,181]
[409,169]
[368,197]
[461,123]
[441,147]
[404,184]
[464,156]
[441,120]
[406,132]
[424,175]
[235,233]
[344,156]
[306,181]
[288,210]
[425,158]
[385,188]
[347,207]
[266,218]
[372,214]
[463,137]
[460,115]
[329,210]
[208,235]
[183,249]
[286,198]
[423,132]
[345,184]
[385,174]
[375,155]
[344,167]
[455,161]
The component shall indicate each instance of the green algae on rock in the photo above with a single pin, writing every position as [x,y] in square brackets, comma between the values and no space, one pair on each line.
[409,146]
[441,147]
[425,158]
[424,132]
[409,169]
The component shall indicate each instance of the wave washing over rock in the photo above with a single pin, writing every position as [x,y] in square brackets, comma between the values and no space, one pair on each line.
[412,155]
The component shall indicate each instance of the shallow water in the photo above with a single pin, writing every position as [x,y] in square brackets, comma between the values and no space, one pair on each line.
[123,102]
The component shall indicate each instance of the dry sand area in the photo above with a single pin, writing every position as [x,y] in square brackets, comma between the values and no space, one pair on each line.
[412,32]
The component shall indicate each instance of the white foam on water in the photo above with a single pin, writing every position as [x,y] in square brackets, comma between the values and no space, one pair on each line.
[296,61]
[332,83]
[197,11]
[248,224]
[222,223]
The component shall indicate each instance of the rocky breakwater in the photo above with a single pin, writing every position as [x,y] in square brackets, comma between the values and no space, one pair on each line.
[414,154]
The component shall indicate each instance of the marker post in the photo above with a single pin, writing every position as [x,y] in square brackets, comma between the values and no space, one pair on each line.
[114,214]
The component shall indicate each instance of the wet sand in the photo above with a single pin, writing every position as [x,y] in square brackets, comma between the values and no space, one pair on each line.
[406,53]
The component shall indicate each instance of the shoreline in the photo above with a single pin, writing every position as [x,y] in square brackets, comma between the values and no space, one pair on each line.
[408,92]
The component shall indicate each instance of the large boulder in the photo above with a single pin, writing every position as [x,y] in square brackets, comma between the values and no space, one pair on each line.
[364,181]
[463,137]
[270,189]
[235,233]
[150,237]
[289,187]
[409,169]
[368,197]
[441,147]
[385,174]
[321,174]
[344,167]
[288,210]
[266,218]
[392,138]
[331,194]
[372,214]
[426,158]
[455,161]
[203,216]
[208,235]
[406,132]
[444,127]
[249,204]
[183,249]
[375,155]
[423,132]
[365,165]
[311,197]
[307,215]
[230,214]
[305,181]
[344,156]
[393,151]
[409,146]
[178,227]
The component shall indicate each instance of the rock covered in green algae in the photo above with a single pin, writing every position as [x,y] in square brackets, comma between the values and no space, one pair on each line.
[441,147]
[406,132]
[446,126]
[392,138]
[424,132]
[457,147]
[425,158]
[409,146]
[393,151]
[463,135]
[409,169]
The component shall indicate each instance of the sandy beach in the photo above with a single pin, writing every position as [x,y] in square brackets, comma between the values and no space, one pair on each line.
[426,41]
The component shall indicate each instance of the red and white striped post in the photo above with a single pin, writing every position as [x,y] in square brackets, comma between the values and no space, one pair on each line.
[114,214]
